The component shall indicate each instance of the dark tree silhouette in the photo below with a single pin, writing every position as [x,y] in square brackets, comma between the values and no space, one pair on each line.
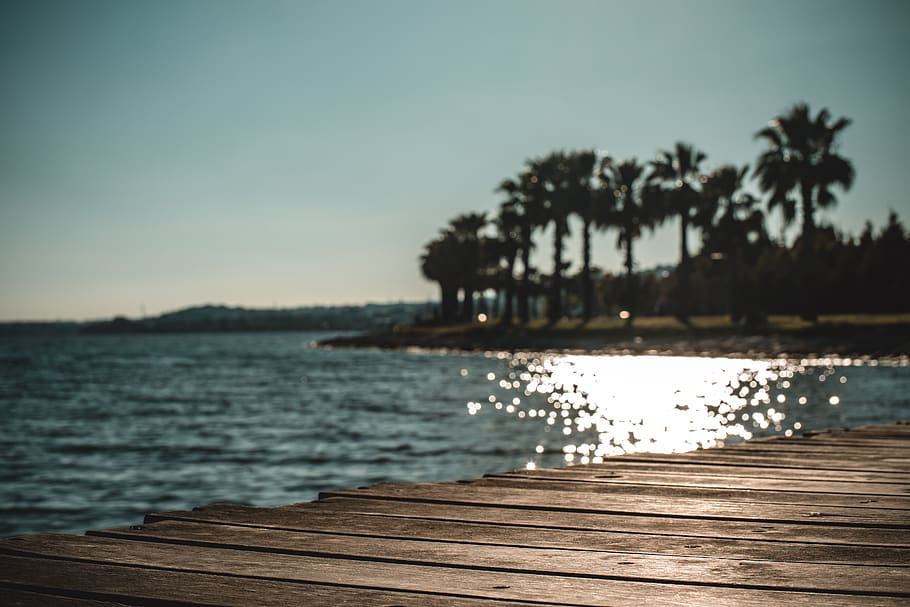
[883,268]
[491,274]
[465,230]
[440,263]
[800,170]
[630,212]
[524,198]
[583,199]
[508,228]
[802,157]
[675,177]
[550,178]
[733,234]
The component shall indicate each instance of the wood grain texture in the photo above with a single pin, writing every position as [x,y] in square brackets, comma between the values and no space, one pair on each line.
[831,446]
[667,463]
[621,475]
[326,520]
[595,486]
[664,568]
[677,507]
[473,583]
[10,597]
[897,468]
[144,586]
[693,527]
[820,519]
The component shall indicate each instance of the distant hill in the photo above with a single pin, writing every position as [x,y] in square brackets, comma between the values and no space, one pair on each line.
[219,318]
[41,328]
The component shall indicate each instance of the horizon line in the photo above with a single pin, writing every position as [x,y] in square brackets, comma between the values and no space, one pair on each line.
[213,305]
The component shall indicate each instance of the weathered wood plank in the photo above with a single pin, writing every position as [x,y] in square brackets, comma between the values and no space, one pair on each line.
[21,598]
[695,528]
[895,468]
[597,486]
[896,457]
[149,586]
[471,494]
[666,462]
[900,430]
[753,573]
[885,472]
[823,438]
[827,442]
[322,520]
[830,446]
[473,583]
[849,444]
[826,446]
[820,519]
[671,478]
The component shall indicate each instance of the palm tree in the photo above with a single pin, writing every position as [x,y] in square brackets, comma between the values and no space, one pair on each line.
[675,177]
[466,232]
[550,181]
[734,234]
[490,271]
[527,207]
[508,229]
[630,211]
[583,201]
[440,263]
[802,157]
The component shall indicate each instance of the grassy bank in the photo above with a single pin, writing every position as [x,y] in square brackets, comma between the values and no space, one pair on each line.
[853,334]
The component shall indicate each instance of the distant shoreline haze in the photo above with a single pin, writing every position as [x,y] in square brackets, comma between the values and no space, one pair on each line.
[223,318]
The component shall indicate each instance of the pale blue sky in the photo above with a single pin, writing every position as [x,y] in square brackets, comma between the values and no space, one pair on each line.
[163,154]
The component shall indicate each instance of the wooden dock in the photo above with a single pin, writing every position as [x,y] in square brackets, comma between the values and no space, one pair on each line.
[813,520]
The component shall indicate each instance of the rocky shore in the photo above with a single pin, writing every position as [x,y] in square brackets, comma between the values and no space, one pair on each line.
[891,340]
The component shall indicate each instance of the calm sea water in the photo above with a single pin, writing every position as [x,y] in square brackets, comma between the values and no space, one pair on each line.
[97,431]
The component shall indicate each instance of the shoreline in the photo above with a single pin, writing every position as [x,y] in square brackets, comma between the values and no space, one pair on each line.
[890,340]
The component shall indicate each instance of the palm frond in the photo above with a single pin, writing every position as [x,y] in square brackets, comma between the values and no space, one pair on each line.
[840,125]
[825,198]
[833,169]
[507,186]
[773,135]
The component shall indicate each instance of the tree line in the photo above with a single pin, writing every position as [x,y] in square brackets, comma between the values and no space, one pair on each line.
[738,269]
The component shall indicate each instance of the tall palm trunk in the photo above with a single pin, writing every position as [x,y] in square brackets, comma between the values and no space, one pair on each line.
[449,294]
[586,291]
[683,271]
[735,284]
[467,304]
[525,288]
[808,309]
[506,317]
[555,310]
[631,295]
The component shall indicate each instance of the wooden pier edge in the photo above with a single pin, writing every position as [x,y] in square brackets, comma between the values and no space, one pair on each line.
[818,519]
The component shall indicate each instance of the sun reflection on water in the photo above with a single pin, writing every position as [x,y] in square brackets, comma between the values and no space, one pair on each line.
[595,406]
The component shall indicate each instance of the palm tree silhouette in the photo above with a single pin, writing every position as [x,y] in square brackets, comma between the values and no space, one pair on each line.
[440,263]
[524,200]
[802,157]
[675,177]
[508,229]
[549,192]
[581,168]
[629,211]
[465,230]
[733,234]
